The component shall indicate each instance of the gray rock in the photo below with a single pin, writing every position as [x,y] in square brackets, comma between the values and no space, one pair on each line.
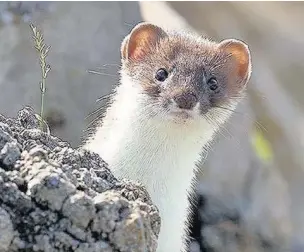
[7,231]
[54,198]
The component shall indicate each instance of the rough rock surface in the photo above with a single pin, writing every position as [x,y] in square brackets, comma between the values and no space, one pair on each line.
[55,198]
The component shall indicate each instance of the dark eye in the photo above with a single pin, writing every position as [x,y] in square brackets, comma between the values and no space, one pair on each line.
[212,83]
[161,74]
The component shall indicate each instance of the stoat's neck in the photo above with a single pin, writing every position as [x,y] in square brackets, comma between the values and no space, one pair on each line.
[161,155]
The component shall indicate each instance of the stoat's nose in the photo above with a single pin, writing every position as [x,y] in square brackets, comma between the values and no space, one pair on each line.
[185,100]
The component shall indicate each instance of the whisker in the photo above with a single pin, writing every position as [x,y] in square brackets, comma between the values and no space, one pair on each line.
[94,112]
[99,112]
[215,124]
[260,126]
[227,109]
[100,73]
[222,126]
[104,97]
[237,141]
[239,97]
[97,118]
[105,66]
[112,65]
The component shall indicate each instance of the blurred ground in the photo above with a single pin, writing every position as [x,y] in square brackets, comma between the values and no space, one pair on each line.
[266,195]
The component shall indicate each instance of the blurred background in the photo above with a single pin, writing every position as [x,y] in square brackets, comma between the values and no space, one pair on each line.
[250,190]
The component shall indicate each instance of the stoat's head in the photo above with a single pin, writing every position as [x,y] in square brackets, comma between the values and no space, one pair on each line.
[183,77]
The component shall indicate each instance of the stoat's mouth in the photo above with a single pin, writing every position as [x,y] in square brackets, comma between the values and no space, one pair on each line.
[181,114]
[173,112]
[184,114]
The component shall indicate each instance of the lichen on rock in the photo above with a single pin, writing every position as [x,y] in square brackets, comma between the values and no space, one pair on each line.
[55,198]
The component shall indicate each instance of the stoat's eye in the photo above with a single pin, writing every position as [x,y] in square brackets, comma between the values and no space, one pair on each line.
[212,83]
[161,74]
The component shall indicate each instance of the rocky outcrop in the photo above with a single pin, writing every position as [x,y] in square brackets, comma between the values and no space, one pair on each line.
[55,198]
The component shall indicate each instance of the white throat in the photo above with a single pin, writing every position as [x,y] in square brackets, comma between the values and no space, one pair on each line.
[160,154]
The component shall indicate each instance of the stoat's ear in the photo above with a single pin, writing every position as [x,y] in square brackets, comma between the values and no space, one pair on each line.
[142,39]
[240,54]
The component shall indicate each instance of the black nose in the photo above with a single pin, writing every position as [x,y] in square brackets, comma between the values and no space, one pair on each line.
[186,100]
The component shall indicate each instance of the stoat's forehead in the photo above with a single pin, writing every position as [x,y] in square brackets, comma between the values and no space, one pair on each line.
[186,52]
[182,53]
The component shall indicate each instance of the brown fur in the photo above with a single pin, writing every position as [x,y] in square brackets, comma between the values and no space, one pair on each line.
[190,62]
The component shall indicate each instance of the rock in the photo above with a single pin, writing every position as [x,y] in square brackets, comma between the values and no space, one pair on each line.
[54,198]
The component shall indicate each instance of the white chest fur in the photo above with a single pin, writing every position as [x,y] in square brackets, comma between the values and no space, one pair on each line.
[159,154]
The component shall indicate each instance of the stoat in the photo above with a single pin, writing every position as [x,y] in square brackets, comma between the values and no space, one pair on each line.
[176,91]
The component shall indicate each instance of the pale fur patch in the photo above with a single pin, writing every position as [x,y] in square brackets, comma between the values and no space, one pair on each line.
[159,153]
